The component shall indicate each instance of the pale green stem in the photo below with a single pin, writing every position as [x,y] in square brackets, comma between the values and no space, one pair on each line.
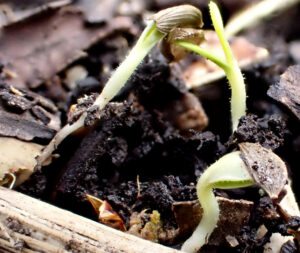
[203,52]
[228,172]
[234,75]
[146,42]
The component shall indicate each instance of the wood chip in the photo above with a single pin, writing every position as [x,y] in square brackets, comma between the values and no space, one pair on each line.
[39,48]
[266,168]
[106,214]
[287,90]
[46,228]
[203,71]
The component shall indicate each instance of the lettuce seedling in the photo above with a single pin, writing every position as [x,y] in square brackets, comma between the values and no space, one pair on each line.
[230,66]
[185,16]
[253,164]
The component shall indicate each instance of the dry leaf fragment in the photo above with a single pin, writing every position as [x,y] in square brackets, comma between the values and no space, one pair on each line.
[106,214]
[287,90]
[18,158]
[266,168]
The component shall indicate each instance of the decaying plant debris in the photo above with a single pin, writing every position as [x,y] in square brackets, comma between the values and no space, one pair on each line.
[138,165]
[49,44]
[287,90]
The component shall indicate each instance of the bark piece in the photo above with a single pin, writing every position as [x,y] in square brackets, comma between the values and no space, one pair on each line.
[37,226]
[233,216]
[203,71]
[15,11]
[287,90]
[26,115]
[40,47]
[265,167]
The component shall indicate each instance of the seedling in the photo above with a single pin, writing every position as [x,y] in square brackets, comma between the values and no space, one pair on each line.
[252,165]
[162,23]
[227,173]
[230,66]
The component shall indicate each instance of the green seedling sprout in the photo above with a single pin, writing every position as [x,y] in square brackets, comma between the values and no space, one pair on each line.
[230,66]
[253,164]
[228,172]
[161,24]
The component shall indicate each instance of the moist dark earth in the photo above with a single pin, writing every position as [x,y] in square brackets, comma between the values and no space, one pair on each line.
[138,158]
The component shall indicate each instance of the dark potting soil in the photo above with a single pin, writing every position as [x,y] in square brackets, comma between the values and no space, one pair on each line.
[133,138]
[137,159]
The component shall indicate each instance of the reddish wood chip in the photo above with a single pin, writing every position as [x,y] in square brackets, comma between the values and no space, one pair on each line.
[287,90]
[40,47]
[106,214]
[203,71]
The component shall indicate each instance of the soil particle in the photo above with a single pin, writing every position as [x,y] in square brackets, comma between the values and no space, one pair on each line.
[35,186]
[268,131]
[156,85]
[128,142]
[85,86]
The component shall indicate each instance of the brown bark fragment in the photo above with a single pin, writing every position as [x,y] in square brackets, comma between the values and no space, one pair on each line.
[37,49]
[26,115]
[12,11]
[287,90]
